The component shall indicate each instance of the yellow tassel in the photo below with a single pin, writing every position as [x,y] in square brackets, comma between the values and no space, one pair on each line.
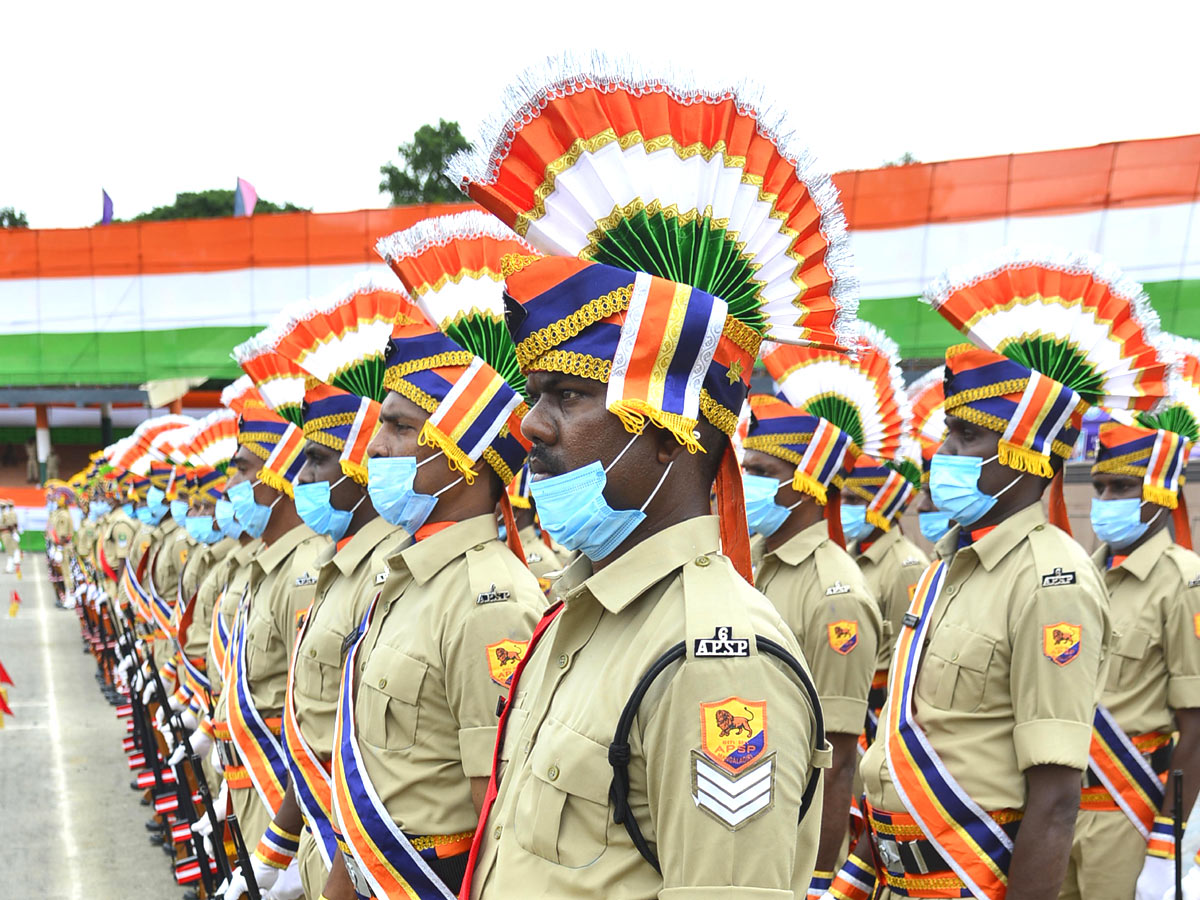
[274,480]
[1024,459]
[1160,495]
[456,459]
[633,414]
[806,484]
[356,472]
[877,519]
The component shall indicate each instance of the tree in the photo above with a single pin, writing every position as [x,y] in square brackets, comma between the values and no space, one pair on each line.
[419,178]
[213,204]
[905,159]
[12,218]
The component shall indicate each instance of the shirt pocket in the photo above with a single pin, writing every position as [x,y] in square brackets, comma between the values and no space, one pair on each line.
[562,810]
[319,665]
[259,638]
[388,695]
[1128,650]
[954,674]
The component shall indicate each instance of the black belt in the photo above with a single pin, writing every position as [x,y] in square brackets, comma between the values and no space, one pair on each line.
[920,856]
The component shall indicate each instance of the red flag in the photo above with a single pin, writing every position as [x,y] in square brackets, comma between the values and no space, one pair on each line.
[4,678]
[4,707]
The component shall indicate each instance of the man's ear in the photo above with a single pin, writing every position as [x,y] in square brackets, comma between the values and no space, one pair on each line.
[667,446]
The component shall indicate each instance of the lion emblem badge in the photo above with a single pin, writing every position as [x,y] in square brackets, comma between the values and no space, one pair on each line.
[1061,642]
[503,657]
[733,732]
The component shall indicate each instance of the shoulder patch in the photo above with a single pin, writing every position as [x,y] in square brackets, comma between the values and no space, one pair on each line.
[492,596]
[122,540]
[305,580]
[1196,624]
[503,657]
[1195,582]
[843,635]
[1061,642]
[381,577]
[1058,578]
[733,775]
[837,588]
[911,561]
[733,732]
[533,558]
[721,645]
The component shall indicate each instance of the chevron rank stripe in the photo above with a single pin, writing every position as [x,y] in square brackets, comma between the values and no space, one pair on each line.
[733,799]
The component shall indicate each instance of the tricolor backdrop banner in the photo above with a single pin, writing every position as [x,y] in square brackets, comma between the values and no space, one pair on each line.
[129,303]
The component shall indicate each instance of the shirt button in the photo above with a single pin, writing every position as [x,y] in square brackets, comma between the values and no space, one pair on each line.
[478,547]
[496,833]
[952,590]
[563,660]
[702,561]
[552,773]
[312,652]
[954,656]
[1038,527]
[382,683]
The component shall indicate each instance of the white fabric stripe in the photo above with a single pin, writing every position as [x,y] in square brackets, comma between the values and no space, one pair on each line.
[708,348]
[735,801]
[456,391]
[628,338]
[360,419]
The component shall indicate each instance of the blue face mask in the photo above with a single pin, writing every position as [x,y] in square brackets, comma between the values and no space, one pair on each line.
[854,522]
[143,515]
[934,525]
[200,529]
[1119,522]
[390,486]
[954,487]
[313,505]
[155,496]
[573,510]
[98,509]
[763,514]
[252,514]
[226,523]
[127,508]
[179,510]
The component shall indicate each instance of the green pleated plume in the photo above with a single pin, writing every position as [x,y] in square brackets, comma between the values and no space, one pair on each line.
[838,412]
[1060,361]
[363,378]
[698,252]
[485,335]
[1177,418]
[910,470]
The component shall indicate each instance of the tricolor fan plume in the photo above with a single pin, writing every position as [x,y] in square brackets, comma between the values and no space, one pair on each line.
[236,395]
[452,266]
[927,396]
[215,440]
[1070,316]
[861,393]
[1180,408]
[343,340]
[280,381]
[702,185]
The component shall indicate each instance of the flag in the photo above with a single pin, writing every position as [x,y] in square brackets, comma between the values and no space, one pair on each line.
[244,198]
[106,214]
[4,707]
[4,676]
[14,605]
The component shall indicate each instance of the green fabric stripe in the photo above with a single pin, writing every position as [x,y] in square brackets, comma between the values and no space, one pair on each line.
[134,357]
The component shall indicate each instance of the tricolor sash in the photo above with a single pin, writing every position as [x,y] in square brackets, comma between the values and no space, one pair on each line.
[310,781]
[218,638]
[969,839]
[136,594]
[385,855]
[258,749]
[160,609]
[192,677]
[1120,767]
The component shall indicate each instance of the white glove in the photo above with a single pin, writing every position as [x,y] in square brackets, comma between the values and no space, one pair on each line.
[1158,876]
[221,804]
[203,827]
[215,762]
[179,755]
[137,682]
[160,716]
[125,664]
[1191,885]
[188,718]
[265,875]
[148,695]
[287,886]
[175,703]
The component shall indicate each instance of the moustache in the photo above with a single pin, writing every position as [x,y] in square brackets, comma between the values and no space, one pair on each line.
[547,462]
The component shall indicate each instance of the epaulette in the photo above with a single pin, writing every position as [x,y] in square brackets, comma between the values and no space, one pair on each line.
[489,573]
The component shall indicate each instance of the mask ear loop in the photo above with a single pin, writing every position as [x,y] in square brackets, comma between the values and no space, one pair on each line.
[654,492]
[608,468]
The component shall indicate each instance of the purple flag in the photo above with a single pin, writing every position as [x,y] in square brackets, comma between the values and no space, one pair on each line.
[106,215]
[244,198]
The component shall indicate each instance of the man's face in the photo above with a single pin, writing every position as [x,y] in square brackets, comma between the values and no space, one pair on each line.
[1123,487]
[245,466]
[400,424]
[323,464]
[924,502]
[570,426]
[755,462]
[965,438]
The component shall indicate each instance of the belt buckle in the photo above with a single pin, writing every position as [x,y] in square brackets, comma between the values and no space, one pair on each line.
[889,852]
[357,877]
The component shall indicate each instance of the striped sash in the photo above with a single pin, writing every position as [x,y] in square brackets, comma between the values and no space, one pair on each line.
[136,595]
[310,781]
[1120,767]
[386,856]
[218,638]
[970,840]
[160,609]
[192,677]
[258,748]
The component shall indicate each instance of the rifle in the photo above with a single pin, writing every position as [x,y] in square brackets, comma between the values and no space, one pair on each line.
[243,857]
[1177,827]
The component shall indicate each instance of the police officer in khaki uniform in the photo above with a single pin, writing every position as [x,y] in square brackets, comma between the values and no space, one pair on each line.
[1004,651]
[1153,687]
[545,559]
[816,587]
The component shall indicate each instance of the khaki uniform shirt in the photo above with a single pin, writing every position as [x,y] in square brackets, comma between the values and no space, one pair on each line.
[116,538]
[60,523]
[282,583]
[551,831]
[892,566]
[990,695]
[428,675]
[1154,600]
[168,547]
[544,562]
[825,601]
[85,540]
[206,559]
[345,588]
[240,566]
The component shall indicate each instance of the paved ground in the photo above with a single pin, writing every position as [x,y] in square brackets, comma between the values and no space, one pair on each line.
[70,827]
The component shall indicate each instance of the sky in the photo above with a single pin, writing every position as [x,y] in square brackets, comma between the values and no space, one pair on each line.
[307,100]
